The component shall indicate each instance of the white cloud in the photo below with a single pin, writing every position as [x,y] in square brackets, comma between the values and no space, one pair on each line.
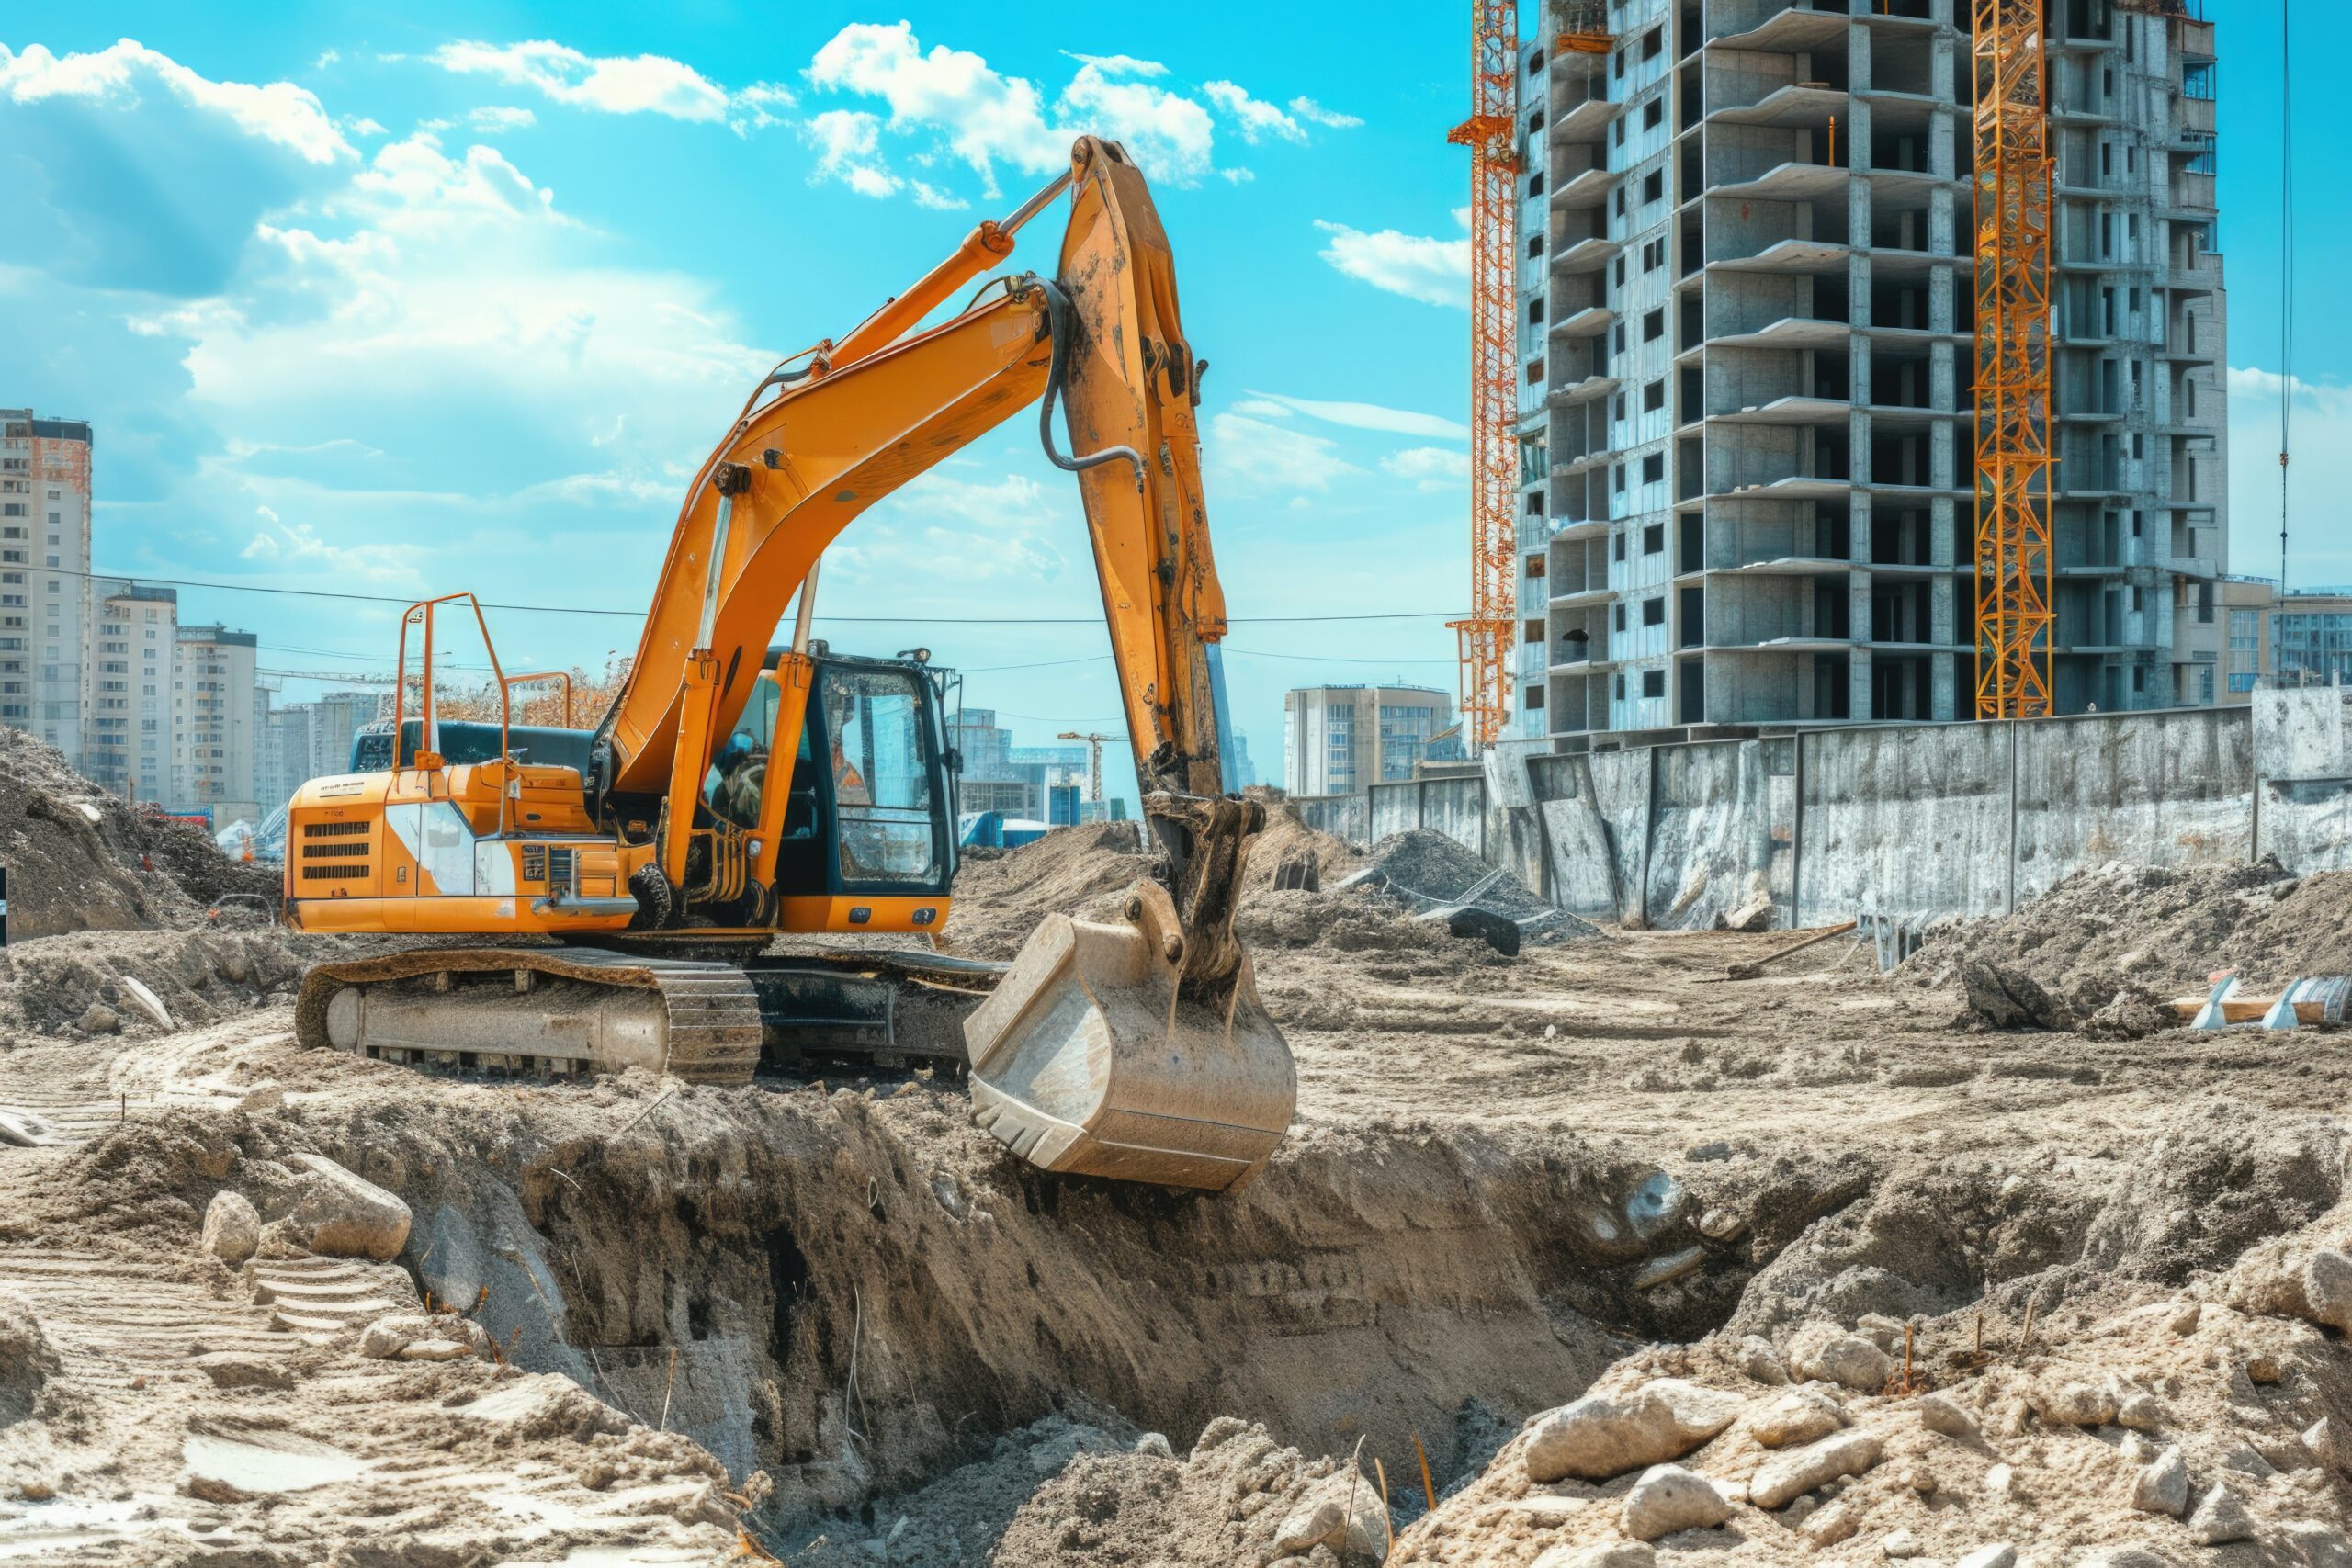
[849,149]
[950,105]
[1260,407]
[640,84]
[1429,467]
[490,119]
[297,547]
[755,106]
[1256,117]
[278,112]
[986,118]
[360,125]
[1257,458]
[944,529]
[1314,113]
[413,186]
[1372,416]
[1419,266]
[326,57]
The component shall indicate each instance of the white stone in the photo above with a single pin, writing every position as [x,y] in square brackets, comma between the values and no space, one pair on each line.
[1825,1351]
[1879,1330]
[1797,1416]
[2220,1518]
[2328,1444]
[1340,1512]
[1942,1413]
[2001,1556]
[1792,1474]
[231,1228]
[1673,1266]
[1721,1224]
[1761,1361]
[1617,1554]
[2001,1482]
[2184,1322]
[1668,1498]
[341,1215]
[2327,1288]
[2321,1546]
[2140,1412]
[2073,1404]
[1902,1543]
[1598,1435]
[2161,1487]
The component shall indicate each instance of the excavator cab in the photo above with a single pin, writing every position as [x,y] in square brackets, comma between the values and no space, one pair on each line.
[869,838]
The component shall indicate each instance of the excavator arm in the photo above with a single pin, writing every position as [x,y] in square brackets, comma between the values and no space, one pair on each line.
[860,418]
[1137,1049]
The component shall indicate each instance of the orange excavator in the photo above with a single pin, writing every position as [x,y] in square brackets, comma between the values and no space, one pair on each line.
[625,881]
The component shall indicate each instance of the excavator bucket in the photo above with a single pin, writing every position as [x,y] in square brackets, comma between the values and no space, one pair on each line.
[1086,1059]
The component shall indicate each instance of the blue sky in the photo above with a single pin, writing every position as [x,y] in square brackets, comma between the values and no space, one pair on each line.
[454,300]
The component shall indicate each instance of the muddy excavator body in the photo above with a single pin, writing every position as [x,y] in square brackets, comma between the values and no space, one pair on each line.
[619,883]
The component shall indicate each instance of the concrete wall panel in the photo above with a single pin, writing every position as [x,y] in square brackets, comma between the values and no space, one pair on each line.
[2168,789]
[1903,819]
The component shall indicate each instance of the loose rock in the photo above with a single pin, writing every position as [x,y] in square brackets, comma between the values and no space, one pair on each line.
[1341,1514]
[2328,1443]
[1902,1543]
[1761,1361]
[233,1368]
[1825,1351]
[2001,1556]
[2140,1412]
[2161,1487]
[1792,1474]
[2073,1404]
[1942,1413]
[1617,1554]
[1598,1437]
[2184,1322]
[231,1228]
[344,1217]
[2327,1288]
[1797,1417]
[2220,1518]
[1668,1498]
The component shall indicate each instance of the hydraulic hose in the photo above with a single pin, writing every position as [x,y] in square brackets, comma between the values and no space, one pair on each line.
[1058,319]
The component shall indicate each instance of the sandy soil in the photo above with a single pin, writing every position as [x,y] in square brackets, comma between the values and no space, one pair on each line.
[1514,1181]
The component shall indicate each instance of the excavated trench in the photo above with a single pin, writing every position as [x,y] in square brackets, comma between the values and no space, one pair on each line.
[856,1292]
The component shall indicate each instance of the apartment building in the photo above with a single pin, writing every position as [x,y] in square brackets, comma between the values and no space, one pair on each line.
[1748,308]
[1337,739]
[301,741]
[44,575]
[214,736]
[127,728]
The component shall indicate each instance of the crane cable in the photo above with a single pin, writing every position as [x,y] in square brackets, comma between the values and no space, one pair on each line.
[2285,293]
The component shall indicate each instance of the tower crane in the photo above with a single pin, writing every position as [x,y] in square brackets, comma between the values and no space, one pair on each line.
[1093,759]
[1492,134]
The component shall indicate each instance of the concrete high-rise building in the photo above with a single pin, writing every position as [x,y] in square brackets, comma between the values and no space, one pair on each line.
[1337,739]
[215,736]
[1746,318]
[44,576]
[126,728]
[301,741]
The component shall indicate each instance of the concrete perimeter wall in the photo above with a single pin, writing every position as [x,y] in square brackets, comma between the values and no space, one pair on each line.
[1921,819]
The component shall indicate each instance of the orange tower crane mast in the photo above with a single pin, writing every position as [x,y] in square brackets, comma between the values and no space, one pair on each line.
[2014,172]
[1491,133]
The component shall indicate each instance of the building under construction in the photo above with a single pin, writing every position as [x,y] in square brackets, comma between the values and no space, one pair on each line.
[1747,320]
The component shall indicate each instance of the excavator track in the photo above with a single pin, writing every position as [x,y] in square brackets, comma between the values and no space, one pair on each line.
[538,1009]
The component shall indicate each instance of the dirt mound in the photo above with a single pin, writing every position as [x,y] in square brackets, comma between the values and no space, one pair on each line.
[80,858]
[1353,920]
[1001,896]
[2098,951]
[81,984]
[1287,841]
[1234,1500]
[26,1361]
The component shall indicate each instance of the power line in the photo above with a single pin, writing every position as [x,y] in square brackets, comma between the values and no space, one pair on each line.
[639,615]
